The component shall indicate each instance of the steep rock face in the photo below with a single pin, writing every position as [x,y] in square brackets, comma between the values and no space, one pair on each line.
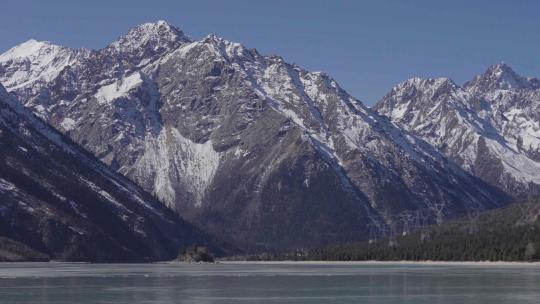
[252,148]
[59,201]
[491,126]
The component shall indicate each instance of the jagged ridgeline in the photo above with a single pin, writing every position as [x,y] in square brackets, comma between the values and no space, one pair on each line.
[59,202]
[490,126]
[249,147]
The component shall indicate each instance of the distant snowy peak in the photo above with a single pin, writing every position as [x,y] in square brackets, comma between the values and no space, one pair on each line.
[418,92]
[156,37]
[420,81]
[433,86]
[31,62]
[34,61]
[501,77]
[491,126]
[30,48]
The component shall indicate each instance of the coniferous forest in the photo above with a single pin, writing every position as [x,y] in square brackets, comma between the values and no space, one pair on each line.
[507,234]
[511,233]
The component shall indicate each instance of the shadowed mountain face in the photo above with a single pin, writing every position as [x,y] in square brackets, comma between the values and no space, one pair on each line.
[490,126]
[59,202]
[249,147]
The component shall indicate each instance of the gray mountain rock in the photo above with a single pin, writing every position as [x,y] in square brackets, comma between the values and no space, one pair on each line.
[256,150]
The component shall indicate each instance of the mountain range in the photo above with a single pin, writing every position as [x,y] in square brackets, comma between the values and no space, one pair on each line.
[490,126]
[268,156]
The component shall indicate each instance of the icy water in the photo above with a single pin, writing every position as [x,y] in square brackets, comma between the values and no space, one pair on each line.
[268,283]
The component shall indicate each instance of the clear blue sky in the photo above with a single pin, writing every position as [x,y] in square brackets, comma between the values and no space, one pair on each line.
[368,46]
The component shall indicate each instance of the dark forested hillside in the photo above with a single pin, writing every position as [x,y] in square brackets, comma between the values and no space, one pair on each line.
[508,234]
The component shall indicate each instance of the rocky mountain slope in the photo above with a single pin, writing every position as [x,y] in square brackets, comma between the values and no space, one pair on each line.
[249,147]
[59,202]
[490,126]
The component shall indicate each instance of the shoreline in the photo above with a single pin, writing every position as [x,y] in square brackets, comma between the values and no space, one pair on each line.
[344,263]
[404,262]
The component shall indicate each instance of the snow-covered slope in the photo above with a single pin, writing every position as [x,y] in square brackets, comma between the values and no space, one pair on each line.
[59,200]
[248,146]
[491,126]
[29,65]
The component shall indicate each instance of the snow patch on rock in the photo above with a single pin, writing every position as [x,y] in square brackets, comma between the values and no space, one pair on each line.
[68,124]
[118,89]
[172,158]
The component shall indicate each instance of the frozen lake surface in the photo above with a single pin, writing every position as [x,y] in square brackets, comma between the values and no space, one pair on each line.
[269,283]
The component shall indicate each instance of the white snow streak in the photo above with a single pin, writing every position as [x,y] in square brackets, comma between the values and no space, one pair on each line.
[173,158]
[118,89]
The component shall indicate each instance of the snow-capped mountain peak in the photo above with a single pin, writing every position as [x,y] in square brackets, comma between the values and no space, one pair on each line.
[154,35]
[399,103]
[500,77]
[34,61]
[29,48]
